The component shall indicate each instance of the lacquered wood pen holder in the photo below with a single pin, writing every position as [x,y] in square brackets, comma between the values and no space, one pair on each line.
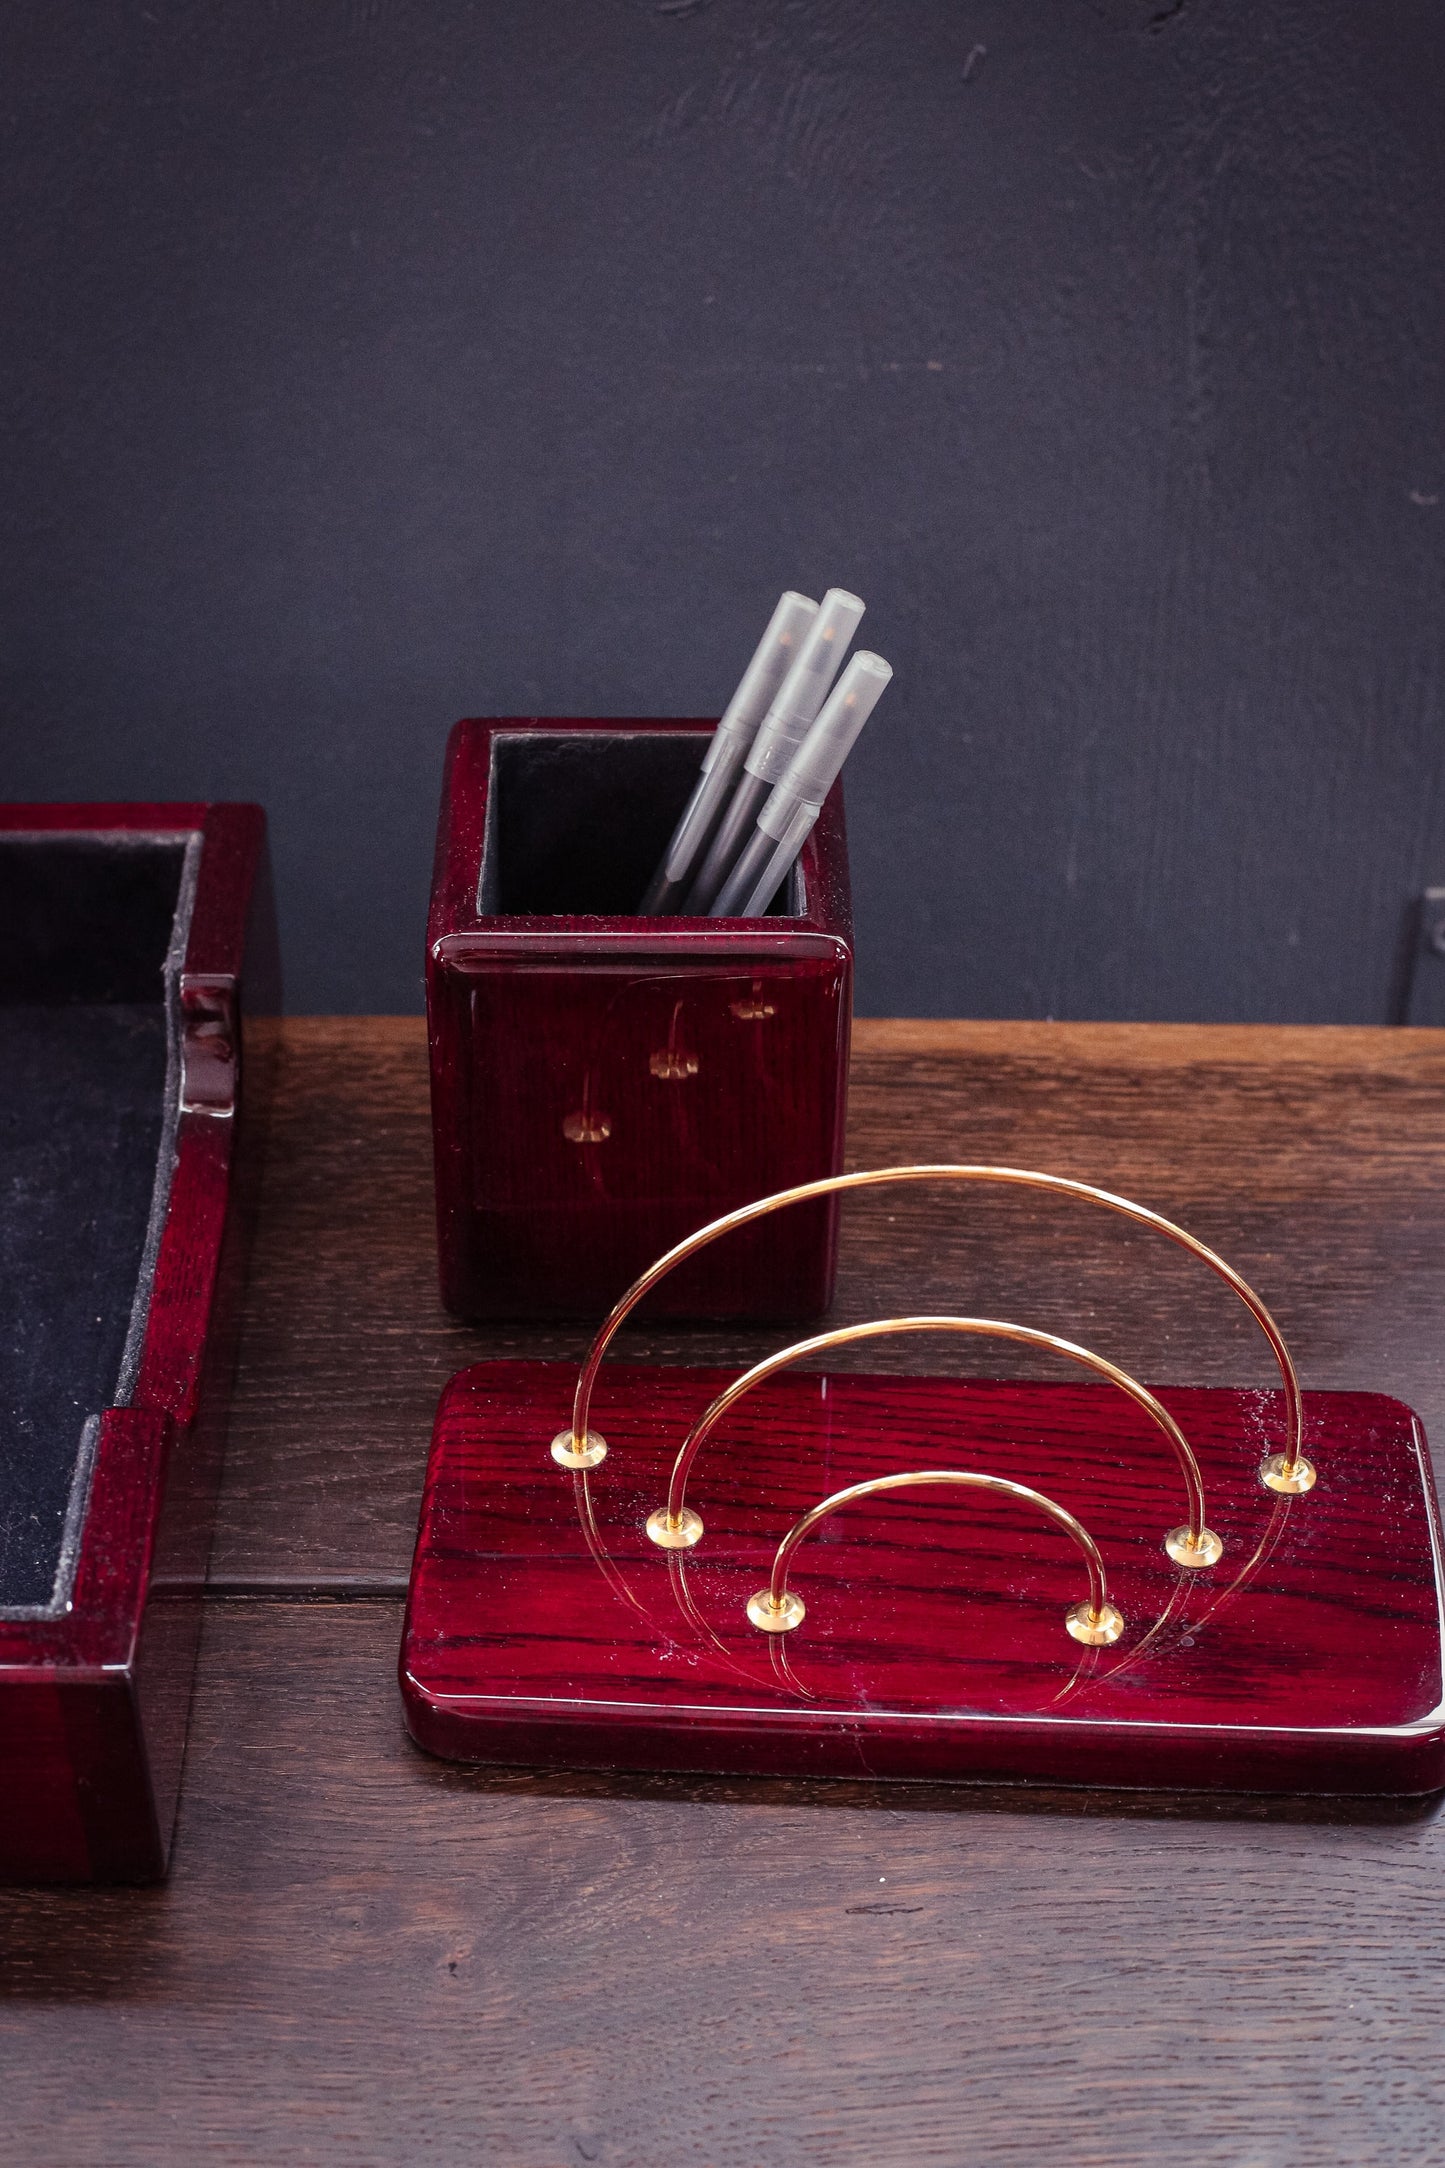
[602,1082]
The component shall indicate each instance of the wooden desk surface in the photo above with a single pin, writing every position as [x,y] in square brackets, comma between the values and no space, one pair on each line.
[364,1955]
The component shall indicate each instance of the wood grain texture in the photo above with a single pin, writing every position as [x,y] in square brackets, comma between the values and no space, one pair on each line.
[543,1627]
[1311,1157]
[367,1956]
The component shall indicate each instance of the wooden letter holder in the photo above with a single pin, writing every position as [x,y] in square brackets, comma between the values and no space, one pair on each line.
[869,1576]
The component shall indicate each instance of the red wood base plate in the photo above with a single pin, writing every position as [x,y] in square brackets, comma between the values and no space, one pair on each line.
[544,1626]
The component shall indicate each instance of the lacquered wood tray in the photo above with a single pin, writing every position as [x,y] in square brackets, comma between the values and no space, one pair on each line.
[139,954]
[543,1624]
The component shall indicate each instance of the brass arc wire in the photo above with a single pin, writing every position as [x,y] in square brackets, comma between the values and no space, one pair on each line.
[875,1328]
[878,1177]
[1098,1589]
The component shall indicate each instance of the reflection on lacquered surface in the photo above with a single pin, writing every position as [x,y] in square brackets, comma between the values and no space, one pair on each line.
[934,1639]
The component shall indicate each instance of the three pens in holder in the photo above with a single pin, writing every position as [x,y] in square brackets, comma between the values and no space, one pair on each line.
[603,1082]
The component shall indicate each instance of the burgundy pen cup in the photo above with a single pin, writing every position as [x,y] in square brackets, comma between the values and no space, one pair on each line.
[603,1084]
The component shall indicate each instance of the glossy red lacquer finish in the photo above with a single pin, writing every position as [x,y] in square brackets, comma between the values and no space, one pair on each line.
[601,1086]
[934,1643]
[93,1702]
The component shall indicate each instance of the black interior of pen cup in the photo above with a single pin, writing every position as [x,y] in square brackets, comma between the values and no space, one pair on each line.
[578,820]
[88,922]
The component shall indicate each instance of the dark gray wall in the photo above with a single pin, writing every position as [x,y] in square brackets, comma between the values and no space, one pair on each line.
[371,362]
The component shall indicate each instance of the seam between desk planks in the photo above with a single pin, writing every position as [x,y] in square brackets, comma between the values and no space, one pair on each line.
[1311,1155]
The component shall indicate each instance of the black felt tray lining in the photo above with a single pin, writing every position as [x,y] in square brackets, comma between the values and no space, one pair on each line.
[95,933]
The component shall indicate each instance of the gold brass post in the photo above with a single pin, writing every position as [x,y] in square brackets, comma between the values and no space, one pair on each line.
[674,1531]
[1293,1477]
[676,1526]
[1287,1471]
[1096,1622]
[578,1448]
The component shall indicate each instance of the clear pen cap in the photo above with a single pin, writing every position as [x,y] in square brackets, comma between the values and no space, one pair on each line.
[805,687]
[760,683]
[813,769]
